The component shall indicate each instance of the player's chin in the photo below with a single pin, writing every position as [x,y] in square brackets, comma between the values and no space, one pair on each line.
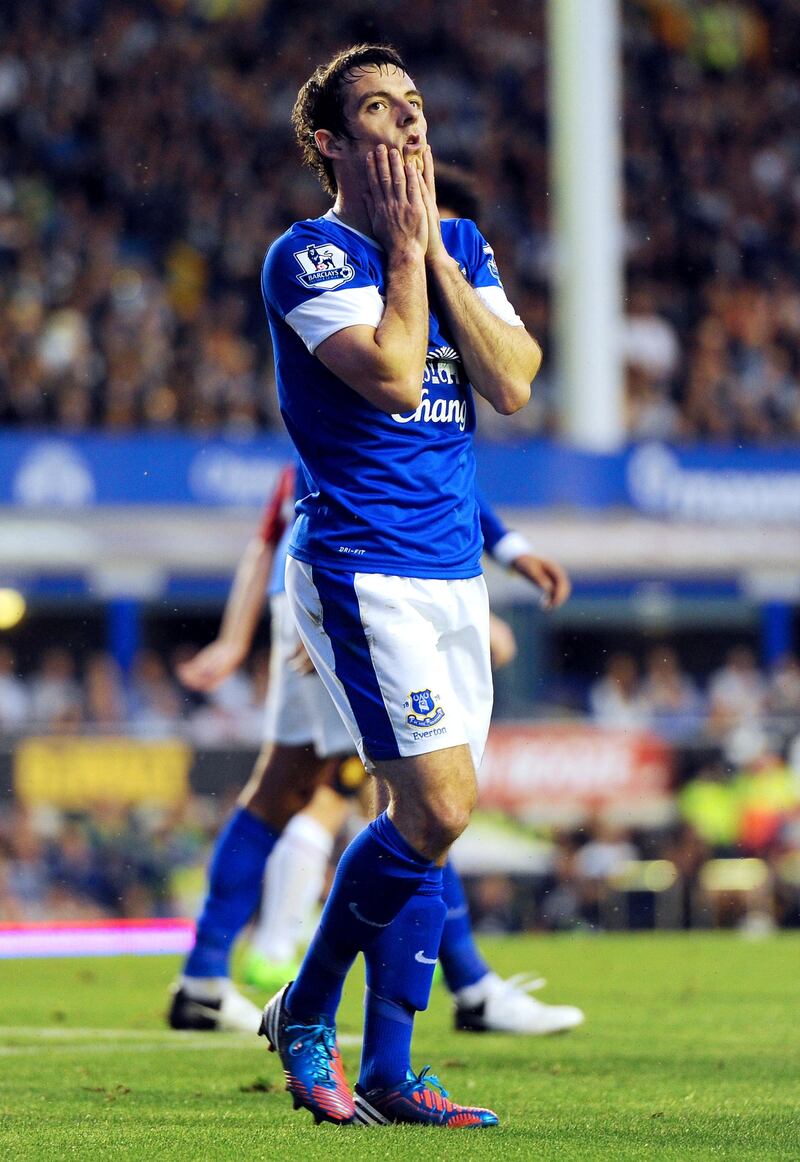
[416,155]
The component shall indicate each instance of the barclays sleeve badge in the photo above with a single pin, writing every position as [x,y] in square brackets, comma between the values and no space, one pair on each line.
[324,266]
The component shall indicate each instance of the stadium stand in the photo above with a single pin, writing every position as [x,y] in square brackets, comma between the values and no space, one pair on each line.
[148,164]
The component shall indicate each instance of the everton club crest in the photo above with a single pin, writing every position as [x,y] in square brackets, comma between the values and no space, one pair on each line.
[424,711]
[324,266]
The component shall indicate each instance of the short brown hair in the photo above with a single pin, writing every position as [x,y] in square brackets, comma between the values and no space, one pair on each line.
[320,103]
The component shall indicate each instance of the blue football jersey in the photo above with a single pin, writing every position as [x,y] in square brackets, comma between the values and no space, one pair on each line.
[386,493]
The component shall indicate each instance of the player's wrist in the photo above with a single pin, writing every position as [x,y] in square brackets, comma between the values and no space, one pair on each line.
[440,263]
[510,548]
[409,252]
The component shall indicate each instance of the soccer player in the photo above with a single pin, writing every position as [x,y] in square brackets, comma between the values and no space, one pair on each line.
[302,725]
[305,751]
[376,356]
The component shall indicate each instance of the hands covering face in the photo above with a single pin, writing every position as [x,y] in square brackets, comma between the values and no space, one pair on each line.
[401,200]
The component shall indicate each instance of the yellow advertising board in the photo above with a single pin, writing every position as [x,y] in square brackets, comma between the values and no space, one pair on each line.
[75,772]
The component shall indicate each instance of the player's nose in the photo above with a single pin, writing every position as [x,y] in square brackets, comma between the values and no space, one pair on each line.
[409,113]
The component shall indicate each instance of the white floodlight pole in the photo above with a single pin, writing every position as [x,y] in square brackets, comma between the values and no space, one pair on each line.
[586,119]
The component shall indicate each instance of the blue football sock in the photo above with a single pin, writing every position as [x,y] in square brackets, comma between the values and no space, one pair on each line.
[235,877]
[400,964]
[461,962]
[378,873]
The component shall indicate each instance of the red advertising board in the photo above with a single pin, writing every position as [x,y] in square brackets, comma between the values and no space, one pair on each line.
[548,766]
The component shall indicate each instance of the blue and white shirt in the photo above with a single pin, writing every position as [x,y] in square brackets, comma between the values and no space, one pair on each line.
[388,493]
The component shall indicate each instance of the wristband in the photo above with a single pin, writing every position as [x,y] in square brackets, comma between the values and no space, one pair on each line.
[509,547]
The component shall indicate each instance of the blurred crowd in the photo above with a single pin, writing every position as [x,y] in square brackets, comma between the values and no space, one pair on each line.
[729,853]
[147,163]
[737,797]
[99,700]
[740,708]
[112,860]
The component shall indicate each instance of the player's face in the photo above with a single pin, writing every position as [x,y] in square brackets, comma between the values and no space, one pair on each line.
[382,107]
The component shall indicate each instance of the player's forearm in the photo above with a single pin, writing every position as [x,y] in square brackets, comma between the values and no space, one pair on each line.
[386,364]
[246,598]
[500,360]
[401,338]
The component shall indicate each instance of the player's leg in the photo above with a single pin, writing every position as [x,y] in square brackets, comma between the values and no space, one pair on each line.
[282,783]
[386,903]
[293,884]
[297,866]
[392,683]
[484,1002]
[420,812]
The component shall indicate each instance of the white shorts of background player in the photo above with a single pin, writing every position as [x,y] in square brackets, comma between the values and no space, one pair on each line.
[298,710]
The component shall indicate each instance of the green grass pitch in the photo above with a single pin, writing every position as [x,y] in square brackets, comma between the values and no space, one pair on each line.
[691,1050]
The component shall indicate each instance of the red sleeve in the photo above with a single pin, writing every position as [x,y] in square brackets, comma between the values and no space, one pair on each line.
[275,518]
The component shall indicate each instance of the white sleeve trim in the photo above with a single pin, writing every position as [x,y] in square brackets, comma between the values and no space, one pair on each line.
[495,299]
[509,547]
[317,319]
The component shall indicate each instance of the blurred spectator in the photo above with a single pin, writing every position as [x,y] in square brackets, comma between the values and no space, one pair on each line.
[25,880]
[649,341]
[767,795]
[104,695]
[676,707]
[75,864]
[561,901]
[783,695]
[616,700]
[709,803]
[607,848]
[156,706]
[56,696]
[737,693]
[493,905]
[14,698]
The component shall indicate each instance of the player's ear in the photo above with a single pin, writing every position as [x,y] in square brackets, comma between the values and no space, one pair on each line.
[328,143]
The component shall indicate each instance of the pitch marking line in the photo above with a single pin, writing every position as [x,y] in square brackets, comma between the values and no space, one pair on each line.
[139,1040]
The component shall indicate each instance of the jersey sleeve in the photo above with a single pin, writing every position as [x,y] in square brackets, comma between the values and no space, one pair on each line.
[482,273]
[274,520]
[317,287]
[499,542]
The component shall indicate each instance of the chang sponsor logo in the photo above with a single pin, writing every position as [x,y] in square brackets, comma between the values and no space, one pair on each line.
[442,369]
[436,411]
[659,483]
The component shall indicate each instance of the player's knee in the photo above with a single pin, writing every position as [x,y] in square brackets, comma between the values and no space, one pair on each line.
[277,801]
[447,819]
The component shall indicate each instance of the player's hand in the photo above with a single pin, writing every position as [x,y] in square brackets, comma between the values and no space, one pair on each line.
[300,661]
[394,200]
[547,576]
[502,643]
[436,249]
[209,668]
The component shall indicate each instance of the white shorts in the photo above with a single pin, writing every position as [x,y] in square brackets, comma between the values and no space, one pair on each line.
[298,709]
[406,660]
